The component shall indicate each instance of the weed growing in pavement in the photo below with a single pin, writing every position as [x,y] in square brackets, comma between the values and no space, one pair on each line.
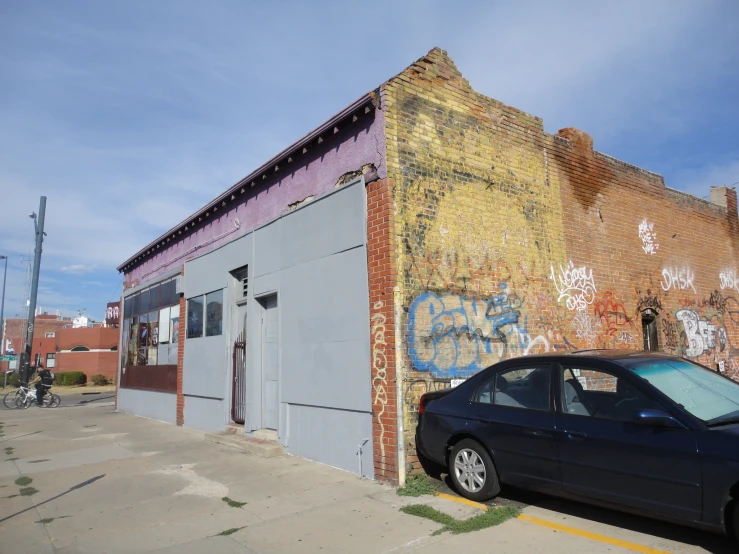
[23,481]
[490,518]
[11,459]
[45,520]
[28,491]
[233,503]
[11,496]
[418,484]
[228,532]
[8,450]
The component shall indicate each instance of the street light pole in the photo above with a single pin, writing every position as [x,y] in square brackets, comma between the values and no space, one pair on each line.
[38,221]
[2,315]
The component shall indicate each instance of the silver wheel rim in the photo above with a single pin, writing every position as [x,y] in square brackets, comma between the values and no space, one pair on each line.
[469,470]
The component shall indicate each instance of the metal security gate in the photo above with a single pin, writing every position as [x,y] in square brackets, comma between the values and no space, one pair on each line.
[238,397]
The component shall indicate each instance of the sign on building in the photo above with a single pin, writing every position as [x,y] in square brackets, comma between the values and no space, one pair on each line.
[113,313]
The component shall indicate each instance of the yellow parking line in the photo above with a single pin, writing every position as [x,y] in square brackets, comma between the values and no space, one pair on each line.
[563,528]
[462,501]
[592,536]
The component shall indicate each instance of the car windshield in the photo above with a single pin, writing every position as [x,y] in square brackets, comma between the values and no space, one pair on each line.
[700,391]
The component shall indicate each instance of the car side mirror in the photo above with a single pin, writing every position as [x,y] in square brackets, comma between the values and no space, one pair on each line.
[657,418]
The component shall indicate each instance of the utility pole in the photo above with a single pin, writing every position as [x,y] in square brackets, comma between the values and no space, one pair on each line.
[2,320]
[38,222]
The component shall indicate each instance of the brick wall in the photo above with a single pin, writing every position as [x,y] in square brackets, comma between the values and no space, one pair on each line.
[512,241]
[382,273]
[15,330]
[180,360]
[91,363]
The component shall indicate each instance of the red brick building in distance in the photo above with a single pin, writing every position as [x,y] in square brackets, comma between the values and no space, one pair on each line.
[62,344]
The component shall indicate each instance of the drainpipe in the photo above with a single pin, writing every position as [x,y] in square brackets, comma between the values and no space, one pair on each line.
[359,453]
[399,386]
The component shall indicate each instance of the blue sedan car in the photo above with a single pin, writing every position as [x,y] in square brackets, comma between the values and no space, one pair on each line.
[647,433]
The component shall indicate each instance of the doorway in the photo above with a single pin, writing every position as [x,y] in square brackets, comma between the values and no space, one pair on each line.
[649,330]
[270,362]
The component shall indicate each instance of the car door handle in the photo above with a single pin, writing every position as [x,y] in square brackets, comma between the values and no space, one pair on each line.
[536,433]
[575,436]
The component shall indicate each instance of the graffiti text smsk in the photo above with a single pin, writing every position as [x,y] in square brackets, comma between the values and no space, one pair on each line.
[729,279]
[681,279]
[575,285]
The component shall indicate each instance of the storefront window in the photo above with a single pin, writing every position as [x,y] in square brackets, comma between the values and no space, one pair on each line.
[214,313]
[195,317]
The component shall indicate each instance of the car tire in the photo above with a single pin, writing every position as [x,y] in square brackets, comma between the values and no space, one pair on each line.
[473,472]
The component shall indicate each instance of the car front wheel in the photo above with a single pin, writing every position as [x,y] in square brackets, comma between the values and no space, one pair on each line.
[472,471]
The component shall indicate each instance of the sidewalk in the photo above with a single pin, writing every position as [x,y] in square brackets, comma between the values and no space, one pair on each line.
[115,483]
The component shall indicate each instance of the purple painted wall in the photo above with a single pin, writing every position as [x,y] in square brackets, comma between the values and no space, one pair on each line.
[314,173]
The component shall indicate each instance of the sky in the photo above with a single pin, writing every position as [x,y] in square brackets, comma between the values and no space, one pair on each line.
[129,115]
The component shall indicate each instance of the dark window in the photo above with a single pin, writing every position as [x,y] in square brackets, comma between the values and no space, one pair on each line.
[168,293]
[195,316]
[80,349]
[597,393]
[145,304]
[136,304]
[128,307]
[154,300]
[143,331]
[527,387]
[214,312]
[649,330]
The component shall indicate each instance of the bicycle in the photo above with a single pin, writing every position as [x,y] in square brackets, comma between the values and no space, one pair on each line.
[9,400]
[27,396]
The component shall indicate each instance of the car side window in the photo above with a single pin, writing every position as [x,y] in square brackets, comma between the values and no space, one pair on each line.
[597,393]
[521,387]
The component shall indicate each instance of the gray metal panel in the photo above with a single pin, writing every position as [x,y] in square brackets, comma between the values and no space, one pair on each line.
[163,277]
[267,248]
[154,405]
[325,332]
[331,437]
[271,363]
[206,366]
[205,414]
[210,272]
[333,224]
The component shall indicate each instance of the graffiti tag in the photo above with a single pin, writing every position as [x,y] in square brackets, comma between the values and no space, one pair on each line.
[648,237]
[673,278]
[575,285]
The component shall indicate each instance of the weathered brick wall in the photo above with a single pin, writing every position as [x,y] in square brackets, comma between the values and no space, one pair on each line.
[478,222]
[382,272]
[511,241]
[649,247]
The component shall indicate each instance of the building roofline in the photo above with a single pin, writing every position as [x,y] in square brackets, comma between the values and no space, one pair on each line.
[365,102]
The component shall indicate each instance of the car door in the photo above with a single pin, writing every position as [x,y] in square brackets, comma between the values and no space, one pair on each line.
[515,406]
[605,455]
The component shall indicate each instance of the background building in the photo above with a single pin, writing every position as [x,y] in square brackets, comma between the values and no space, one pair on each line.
[418,236]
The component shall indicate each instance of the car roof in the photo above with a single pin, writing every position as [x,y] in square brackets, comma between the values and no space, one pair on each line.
[605,354]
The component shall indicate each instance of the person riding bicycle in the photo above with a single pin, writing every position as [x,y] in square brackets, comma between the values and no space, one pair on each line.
[44,379]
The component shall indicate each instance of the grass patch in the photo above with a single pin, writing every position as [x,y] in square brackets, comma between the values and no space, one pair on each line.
[11,459]
[418,484]
[23,481]
[233,503]
[8,450]
[45,520]
[28,491]
[228,532]
[490,518]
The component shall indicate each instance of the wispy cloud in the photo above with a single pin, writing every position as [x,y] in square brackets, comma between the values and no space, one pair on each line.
[129,116]
[77,269]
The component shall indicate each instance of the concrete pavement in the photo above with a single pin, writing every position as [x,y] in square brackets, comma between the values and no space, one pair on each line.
[114,483]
